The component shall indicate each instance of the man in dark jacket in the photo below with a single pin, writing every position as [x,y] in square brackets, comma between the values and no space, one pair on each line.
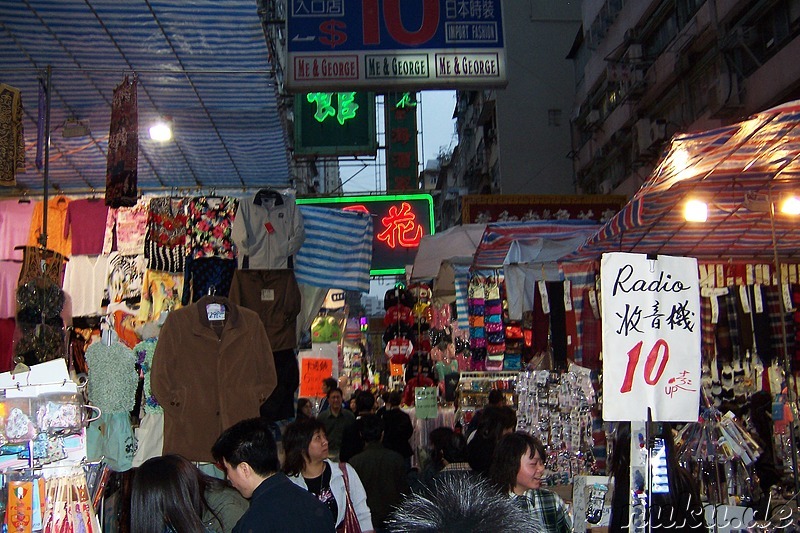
[381,471]
[352,440]
[250,456]
[397,428]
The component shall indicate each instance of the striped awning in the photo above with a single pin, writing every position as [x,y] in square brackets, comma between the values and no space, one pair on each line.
[203,63]
[739,171]
[531,241]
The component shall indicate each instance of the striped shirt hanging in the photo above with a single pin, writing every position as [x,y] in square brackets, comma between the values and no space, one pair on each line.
[337,252]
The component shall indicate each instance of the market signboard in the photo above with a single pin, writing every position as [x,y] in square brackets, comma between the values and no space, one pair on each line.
[394,44]
[334,124]
[650,309]
[399,223]
[486,208]
[401,141]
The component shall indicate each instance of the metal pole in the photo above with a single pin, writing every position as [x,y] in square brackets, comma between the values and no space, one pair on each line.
[787,369]
[46,185]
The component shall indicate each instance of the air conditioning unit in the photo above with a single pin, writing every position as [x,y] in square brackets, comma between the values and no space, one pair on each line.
[634,53]
[650,132]
[605,187]
[723,95]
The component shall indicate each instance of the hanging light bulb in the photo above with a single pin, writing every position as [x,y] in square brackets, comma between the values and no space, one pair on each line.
[161,130]
[790,205]
[695,211]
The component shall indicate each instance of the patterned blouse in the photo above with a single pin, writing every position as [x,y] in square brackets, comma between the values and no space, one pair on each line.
[209,223]
[129,224]
[165,242]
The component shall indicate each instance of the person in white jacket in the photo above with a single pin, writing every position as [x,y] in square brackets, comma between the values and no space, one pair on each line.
[307,465]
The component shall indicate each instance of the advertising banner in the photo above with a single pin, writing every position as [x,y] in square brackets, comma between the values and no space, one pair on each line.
[394,44]
[401,142]
[486,208]
[650,310]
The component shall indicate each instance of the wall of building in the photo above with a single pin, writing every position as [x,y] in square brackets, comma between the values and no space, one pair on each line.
[647,70]
[533,111]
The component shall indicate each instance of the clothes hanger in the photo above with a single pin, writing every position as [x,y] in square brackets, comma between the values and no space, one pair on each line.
[268,194]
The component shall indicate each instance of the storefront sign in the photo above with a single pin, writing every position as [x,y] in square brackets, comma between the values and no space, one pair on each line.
[312,371]
[425,402]
[485,208]
[401,142]
[651,337]
[399,222]
[341,123]
[380,44]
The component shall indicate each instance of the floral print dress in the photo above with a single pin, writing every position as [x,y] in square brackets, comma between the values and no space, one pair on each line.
[211,258]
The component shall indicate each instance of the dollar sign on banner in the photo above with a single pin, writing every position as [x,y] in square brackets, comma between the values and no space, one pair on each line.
[333,37]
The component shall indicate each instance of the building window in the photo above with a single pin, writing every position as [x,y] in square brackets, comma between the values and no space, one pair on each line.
[554,117]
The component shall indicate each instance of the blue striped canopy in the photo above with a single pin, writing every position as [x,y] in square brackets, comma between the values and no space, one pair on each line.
[202,62]
[739,171]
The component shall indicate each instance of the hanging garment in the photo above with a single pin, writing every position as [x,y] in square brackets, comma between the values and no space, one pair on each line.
[209,223]
[85,282]
[165,240]
[9,276]
[112,377]
[123,146]
[12,136]
[110,438]
[56,219]
[125,277]
[275,296]
[208,374]
[161,293]
[126,227]
[207,275]
[15,225]
[268,230]
[7,326]
[150,434]
[337,251]
[280,404]
[85,225]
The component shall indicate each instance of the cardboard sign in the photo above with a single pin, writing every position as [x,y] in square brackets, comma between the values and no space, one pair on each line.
[312,371]
[425,402]
[650,309]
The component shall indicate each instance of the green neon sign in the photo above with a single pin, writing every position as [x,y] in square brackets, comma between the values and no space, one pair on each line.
[334,124]
[345,110]
[406,101]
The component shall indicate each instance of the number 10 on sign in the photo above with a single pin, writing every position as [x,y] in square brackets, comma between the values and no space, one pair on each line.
[659,354]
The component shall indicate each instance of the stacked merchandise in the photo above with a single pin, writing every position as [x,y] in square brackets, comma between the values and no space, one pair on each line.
[556,408]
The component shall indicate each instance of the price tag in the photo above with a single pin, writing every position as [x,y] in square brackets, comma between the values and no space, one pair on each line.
[594,304]
[267,295]
[758,298]
[215,312]
[744,298]
[545,300]
[787,297]
[567,295]
[270,228]
[714,309]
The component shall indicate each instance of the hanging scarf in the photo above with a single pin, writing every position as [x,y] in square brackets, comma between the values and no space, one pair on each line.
[12,137]
[123,146]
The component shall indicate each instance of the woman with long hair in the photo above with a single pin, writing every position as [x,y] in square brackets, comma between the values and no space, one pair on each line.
[306,462]
[170,495]
[305,409]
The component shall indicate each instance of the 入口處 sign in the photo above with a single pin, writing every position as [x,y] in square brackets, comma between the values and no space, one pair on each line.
[383,44]
[651,337]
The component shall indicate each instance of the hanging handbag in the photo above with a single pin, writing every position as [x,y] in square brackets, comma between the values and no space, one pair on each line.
[350,523]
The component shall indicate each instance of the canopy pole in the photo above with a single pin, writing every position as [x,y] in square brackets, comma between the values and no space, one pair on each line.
[787,368]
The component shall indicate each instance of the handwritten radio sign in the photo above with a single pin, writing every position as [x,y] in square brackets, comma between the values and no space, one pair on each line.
[651,337]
